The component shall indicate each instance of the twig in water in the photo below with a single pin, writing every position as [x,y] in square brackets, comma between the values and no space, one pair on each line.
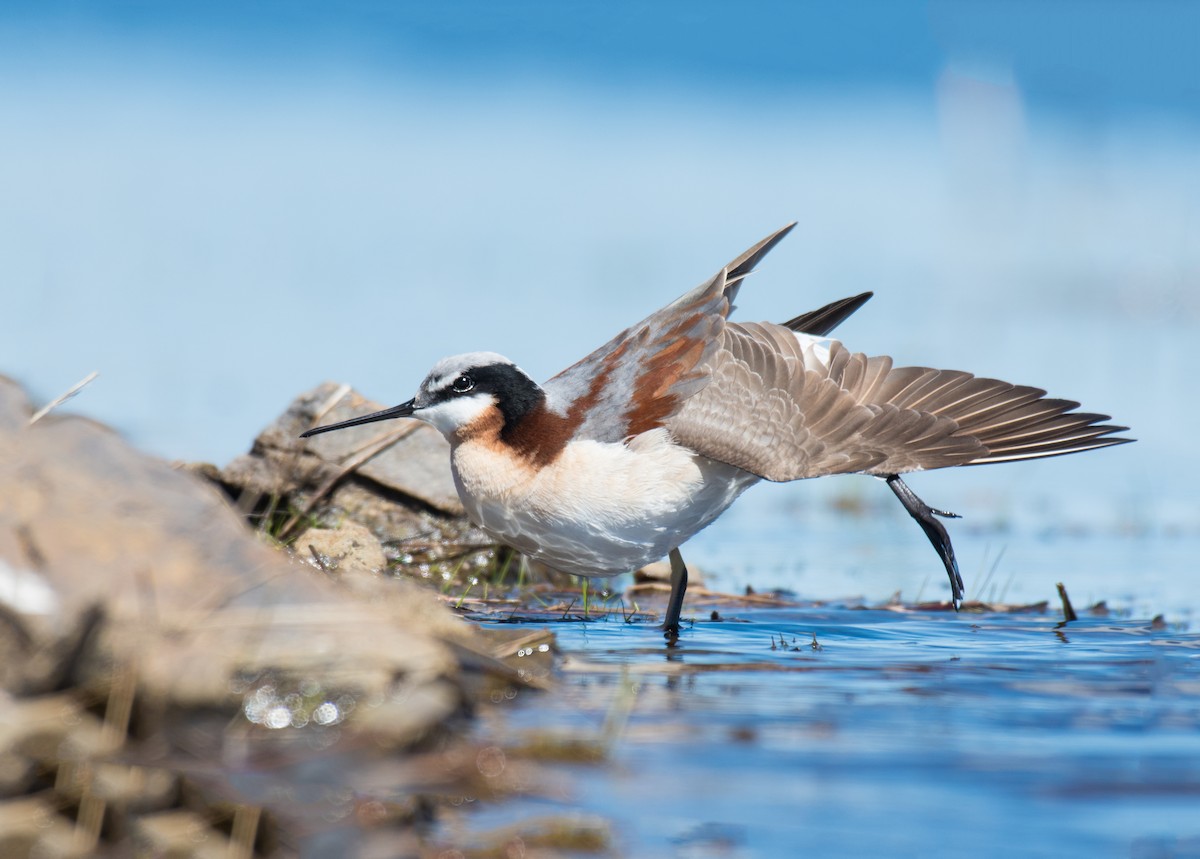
[981,591]
[316,556]
[1007,584]
[921,589]
[1068,610]
[617,717]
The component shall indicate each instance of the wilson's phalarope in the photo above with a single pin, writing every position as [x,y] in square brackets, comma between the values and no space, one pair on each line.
[619,459]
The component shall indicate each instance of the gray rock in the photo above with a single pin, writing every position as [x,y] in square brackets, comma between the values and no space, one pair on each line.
[347,550]
[405,458]
[112,560]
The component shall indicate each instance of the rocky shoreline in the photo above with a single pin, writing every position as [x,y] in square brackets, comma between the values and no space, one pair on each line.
[176,684]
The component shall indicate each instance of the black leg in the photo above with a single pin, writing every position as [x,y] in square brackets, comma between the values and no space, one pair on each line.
[675,604]
[934,530]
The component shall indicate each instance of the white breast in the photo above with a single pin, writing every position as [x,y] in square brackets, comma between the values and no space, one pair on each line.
[599,509]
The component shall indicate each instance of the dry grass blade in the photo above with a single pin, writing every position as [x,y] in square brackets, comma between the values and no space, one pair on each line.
[62,398]
[365,454]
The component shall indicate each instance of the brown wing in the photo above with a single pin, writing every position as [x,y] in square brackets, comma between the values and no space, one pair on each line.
[779,408]
[641,376]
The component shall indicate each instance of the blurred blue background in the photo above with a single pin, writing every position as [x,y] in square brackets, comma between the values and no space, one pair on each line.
[219,205]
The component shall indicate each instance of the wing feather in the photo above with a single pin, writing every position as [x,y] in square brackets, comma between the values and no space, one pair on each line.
[782,407]
[636,380]
[781,403]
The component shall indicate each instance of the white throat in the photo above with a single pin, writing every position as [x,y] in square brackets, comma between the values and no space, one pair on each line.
[451,415]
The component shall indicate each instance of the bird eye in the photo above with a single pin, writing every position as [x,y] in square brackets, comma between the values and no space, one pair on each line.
[462,384]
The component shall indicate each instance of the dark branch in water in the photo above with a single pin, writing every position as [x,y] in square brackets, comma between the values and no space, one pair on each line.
[1068,611]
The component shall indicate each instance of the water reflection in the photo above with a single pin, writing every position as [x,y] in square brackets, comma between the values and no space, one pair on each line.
[289,703]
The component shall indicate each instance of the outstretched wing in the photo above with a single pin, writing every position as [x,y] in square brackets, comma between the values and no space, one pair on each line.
[786,406]
[636,380]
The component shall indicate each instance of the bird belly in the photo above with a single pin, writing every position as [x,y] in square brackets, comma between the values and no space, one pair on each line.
[600,509]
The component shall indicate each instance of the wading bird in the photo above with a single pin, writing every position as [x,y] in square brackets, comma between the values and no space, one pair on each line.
[620,458]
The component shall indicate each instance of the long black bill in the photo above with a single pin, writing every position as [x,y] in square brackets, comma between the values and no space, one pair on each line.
[404,410]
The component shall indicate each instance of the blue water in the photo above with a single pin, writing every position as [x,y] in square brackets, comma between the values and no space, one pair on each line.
[798,539]
[903,735]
